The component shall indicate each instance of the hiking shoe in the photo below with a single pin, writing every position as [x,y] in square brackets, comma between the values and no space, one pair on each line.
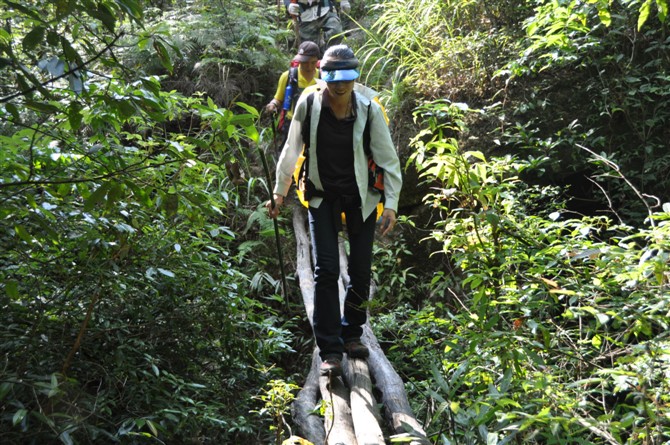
[356,349]
[331,365]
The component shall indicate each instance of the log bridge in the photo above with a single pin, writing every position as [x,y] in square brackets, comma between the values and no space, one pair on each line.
[352,402]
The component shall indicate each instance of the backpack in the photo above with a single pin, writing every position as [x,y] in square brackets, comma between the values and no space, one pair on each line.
[289,96]
[303,6]
[305,189]
[291,92]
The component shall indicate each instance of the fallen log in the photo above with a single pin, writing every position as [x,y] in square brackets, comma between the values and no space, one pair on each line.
[364,411]
[306,404]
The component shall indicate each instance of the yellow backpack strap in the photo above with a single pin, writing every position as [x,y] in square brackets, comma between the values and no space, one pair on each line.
[319,86]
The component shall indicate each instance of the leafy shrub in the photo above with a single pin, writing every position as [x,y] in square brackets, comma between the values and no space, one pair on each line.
[558,320]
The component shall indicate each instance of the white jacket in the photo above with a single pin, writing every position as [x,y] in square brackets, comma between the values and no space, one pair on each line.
[381,146]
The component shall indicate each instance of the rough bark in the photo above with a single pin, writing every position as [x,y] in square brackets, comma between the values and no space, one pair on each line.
[338,422]
[393,396]
[351,408]
[364,411]
[309,422]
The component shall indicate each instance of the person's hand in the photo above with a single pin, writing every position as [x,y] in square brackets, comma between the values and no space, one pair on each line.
[294,9]
[388,221]
[274,211]
[271,108]
[345,6]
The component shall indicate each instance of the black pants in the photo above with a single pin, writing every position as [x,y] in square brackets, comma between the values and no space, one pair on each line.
[331,328]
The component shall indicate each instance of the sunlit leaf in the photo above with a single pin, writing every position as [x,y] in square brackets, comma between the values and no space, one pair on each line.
[644,11]
[19,416]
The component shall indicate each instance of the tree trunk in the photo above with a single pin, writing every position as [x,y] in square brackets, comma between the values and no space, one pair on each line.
[351,414]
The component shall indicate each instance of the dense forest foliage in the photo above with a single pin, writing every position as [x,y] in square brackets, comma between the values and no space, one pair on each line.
[525,297]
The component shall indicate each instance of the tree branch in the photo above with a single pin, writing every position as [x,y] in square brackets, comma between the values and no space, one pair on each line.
[65,74]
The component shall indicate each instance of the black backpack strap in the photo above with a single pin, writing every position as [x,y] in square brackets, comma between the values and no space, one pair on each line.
[308,188]
[366,134]
[293,81]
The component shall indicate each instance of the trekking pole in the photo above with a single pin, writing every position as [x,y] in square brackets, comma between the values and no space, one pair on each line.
[264,161]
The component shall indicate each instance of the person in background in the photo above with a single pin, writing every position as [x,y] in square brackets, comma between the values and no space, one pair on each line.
[337,178]
[292,82]
[319,16]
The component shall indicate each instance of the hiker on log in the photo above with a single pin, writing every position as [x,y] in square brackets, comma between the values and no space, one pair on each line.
[316,17]
[341,131]
[302,73]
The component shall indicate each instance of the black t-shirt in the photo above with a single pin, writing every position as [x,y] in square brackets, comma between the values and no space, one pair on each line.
[335,154]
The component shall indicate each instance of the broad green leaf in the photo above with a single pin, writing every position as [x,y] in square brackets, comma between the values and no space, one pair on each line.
[23,234]
[645,9]
[662,10]
[12,290]
[97,196]
[33,39]
[605,16]
[74,115]
[11,108]
[103,14]
[63,8]
[163,55]
[131,7]
[71,54]
[53,38]
[42,107]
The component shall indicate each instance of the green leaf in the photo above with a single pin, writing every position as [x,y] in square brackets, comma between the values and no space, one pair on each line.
[163,55]
[662,10]
[74,116]
[33,38]
[12,290]
[23,234]
[42,107]
[644,14]
[70,53]
[153,428]
[97,196]
[19,416]
[5,388]
[13,111]
[18,6]
[63,8]
[104,15]
[53,38]
[132,8]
